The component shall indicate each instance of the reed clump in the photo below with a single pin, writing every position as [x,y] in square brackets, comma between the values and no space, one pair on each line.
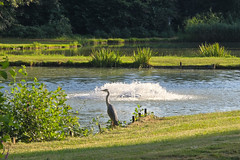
[213,50]
[105,58]
[142,57]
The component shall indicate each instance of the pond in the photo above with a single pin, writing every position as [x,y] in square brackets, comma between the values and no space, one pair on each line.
[164,92]
[159,48]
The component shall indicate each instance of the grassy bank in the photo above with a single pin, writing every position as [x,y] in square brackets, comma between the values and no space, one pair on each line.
[83,61]
[203,136]
[37,45]
[65,42]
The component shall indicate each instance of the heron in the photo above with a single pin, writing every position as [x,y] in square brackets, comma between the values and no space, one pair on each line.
[111,110]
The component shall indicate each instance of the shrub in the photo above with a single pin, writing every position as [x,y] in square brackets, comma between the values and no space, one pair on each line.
[73,44]
[57,26]
[211,27]
[60,24]
[204,18]
[5,119]
[38,114]
[36,45]
[111,41]
[24,32]
[100,34]
[218,32]
[136,112]
[142,57]
[115,32]
[125,33]
[139,32]
[214,50]
[105,58]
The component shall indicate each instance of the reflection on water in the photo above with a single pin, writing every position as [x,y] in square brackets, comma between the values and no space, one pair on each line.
[164,92]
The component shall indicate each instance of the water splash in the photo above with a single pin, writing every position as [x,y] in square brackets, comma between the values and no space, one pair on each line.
[135,91]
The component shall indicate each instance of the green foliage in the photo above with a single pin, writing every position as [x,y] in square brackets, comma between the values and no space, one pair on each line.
[204,18]
[111,41]
[142,57]
[214,50]
[61,26]
[74,44]
[96,122]
[140,32]
[100,34]
[136,112]
[105,58]
[111,19]
[218,32]
[38,114]
[211,27]
[24,31]
[54,28]
[36,44]
[5,119]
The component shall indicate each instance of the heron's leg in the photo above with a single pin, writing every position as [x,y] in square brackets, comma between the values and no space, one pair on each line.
[112,124]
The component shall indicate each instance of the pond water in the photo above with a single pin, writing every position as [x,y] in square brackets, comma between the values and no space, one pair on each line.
[164,92]
[159,48]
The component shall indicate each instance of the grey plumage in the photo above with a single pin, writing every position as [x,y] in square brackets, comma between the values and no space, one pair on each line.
[111,110]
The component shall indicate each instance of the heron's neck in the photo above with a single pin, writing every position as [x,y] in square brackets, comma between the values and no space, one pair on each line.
[107,101]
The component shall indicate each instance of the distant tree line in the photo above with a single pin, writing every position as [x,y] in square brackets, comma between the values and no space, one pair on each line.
[109,18]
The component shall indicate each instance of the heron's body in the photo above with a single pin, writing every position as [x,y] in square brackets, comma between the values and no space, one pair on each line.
[111,110]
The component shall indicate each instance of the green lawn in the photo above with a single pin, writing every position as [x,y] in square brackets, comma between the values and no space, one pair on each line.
[203,136]
[155,61]
[175,61]
[67,42]
[32,44]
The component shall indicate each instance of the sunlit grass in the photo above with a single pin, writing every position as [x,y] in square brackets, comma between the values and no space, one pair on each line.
[128,60]
[46,58]
[162,138]
[175,61]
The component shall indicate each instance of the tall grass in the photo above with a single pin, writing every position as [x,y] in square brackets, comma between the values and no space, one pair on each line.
[218,32]
[211,27]
[214,50]
[142,57]
[105,58]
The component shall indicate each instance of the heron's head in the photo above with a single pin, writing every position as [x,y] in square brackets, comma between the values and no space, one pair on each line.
[105,90]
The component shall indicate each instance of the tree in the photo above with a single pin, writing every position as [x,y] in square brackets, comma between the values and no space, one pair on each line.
[7,11]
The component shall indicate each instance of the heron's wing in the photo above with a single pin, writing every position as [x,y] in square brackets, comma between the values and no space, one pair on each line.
[112,113]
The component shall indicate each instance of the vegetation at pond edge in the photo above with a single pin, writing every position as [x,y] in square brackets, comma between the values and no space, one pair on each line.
[214,50]
[207,55]
[5,119]
[142,57]
[105,58]
[34,113]
[37,45]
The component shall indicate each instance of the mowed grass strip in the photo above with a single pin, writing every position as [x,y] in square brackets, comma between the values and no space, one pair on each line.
[202,136]
[154,61]
[46,58]
[197,61]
